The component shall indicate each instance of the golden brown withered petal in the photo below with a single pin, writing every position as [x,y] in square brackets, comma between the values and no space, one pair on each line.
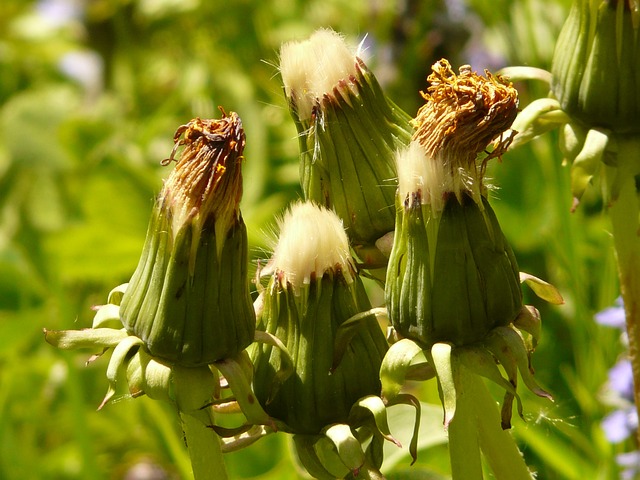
[210,162]
[463,114]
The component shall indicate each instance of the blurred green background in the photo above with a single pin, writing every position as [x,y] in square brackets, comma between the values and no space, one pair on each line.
[91,92]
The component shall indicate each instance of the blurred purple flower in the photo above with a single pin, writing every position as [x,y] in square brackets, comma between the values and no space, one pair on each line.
[621,379]
[623,422]
[613,316]
[620,424]
[60,12]
[630,462]
[85,67]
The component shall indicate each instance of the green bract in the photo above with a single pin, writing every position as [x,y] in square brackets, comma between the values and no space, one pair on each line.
[452,277]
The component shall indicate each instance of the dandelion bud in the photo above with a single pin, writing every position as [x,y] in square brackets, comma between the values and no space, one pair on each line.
[313,290]
[188,299]
[596,73]
[349,132]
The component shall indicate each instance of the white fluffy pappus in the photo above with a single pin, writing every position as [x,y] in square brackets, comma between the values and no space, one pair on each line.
[312,68]
[417,173]
[312,242]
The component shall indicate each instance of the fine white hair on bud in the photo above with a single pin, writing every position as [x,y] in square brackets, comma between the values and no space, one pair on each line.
[312,242]
[313,68]
[421,177]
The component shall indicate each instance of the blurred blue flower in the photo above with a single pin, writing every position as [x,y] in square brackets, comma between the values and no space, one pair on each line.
[613,316]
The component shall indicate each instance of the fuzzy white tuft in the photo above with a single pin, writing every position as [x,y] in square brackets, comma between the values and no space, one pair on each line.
[419,174]
[312,68]
[312,241]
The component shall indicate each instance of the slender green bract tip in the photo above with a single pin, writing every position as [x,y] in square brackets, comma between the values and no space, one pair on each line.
[188,299]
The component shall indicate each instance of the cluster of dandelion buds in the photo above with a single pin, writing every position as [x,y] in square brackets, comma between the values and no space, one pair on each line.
[387,197]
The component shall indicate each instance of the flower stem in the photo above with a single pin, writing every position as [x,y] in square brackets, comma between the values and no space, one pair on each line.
[475,427]
[624,212]
[464,448]
[204,445]
[498,445]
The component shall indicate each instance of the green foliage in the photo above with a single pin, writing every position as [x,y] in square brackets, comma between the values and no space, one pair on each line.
[80,165]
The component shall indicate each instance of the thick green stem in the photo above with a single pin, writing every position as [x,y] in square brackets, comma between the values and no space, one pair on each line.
[204,447]
[193,391]
[498,446]
[624,213]
[464,447]
[477,426]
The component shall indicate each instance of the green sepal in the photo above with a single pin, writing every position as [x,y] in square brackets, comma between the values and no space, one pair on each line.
[529,321]
[395,366]
[346,445]
[348,329]
[107,316]
[117,364]
[147,376]
[304,447]
[445,363]
[373,407]
[408,399]
[571,140]
[588,161]
[245,439]
[521,73]
[287,367]
[540,116]
[116,294]
[239,380]
[506,339]
[542,289]
[481,362]
[85,338]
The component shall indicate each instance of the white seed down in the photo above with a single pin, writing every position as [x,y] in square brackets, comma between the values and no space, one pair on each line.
[312,242]
[312,68]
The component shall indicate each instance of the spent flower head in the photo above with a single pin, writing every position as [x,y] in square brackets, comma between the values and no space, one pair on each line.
[462,114]
[186,312]
[189,299]
[452,284]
